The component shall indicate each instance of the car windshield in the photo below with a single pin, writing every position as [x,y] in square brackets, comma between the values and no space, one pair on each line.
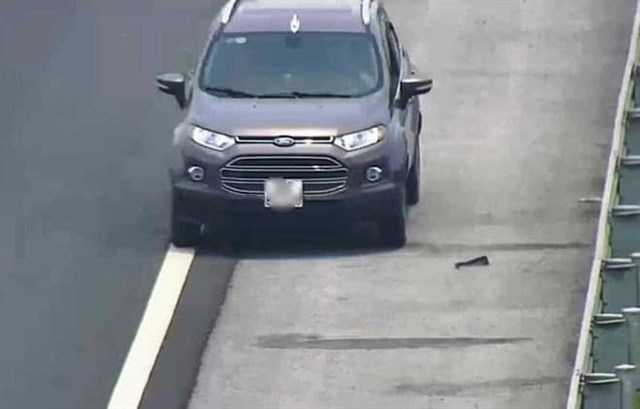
[288,65]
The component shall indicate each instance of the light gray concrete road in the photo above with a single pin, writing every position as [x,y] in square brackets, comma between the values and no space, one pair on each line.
[517,130]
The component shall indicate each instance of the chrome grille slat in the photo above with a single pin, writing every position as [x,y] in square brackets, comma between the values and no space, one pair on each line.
[320,175]
[283,169]
[309,181]
[309,192]
[285,161]
[287,174]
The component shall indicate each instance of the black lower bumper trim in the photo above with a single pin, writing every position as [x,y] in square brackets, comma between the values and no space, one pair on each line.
[199,204]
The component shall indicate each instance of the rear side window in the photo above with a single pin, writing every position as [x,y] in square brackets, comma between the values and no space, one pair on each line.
[344,64]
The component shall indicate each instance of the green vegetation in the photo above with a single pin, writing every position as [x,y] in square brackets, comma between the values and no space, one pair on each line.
[638,401]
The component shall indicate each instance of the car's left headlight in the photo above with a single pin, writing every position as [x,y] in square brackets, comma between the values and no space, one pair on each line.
[360,139]
[212,140]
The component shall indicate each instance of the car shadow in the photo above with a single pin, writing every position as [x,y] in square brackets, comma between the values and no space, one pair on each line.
[296,242]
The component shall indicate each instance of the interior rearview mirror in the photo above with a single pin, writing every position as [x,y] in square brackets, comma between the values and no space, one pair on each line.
[412,87]
[173,84]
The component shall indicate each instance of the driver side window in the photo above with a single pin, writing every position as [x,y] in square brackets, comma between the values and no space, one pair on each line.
[392,50]
[394,55]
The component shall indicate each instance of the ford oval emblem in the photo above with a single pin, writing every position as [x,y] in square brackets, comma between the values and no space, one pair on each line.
[284,141]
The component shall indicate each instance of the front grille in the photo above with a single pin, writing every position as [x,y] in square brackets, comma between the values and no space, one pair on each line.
[297,139]
[320,175]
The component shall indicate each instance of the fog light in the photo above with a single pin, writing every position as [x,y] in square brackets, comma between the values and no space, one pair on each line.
[196,173]
[374,174]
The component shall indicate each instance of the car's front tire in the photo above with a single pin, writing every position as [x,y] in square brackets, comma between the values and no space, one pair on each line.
[183,233]
[392,228]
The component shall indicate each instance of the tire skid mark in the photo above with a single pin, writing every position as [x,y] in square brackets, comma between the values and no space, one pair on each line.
[475,388]
[300,341]
[454,247]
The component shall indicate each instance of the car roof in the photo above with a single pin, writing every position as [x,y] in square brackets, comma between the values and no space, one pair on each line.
[312,15]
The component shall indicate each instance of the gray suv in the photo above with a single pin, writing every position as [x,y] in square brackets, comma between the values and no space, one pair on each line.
[304,111]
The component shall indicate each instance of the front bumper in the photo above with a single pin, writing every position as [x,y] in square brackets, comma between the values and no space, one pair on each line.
[197,203]
[211,202]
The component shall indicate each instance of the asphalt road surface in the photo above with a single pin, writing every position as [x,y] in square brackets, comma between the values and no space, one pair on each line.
[84,138]
[517,130]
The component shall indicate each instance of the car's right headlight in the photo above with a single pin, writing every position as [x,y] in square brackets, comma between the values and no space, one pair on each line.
[211,140]
[361,139]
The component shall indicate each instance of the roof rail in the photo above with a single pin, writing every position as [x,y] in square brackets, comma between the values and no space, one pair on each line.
[227,11]
[366,11]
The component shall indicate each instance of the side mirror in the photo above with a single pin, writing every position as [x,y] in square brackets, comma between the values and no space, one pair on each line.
[412,87]
[173,84]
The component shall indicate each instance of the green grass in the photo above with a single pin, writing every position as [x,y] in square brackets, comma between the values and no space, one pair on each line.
[638,401]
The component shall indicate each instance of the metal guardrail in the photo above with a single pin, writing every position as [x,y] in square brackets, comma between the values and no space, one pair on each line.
[606,373]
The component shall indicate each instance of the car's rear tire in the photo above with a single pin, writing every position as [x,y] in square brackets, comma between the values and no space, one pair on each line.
[183,233]
[413,179]
[392,228]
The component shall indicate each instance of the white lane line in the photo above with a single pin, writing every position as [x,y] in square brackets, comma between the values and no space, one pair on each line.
[158,313]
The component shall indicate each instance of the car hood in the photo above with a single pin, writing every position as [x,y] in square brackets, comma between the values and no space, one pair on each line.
[294,117]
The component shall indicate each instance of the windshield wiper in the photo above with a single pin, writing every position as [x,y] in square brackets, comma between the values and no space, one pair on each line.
[231,92]
[299,94]
[287,94]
